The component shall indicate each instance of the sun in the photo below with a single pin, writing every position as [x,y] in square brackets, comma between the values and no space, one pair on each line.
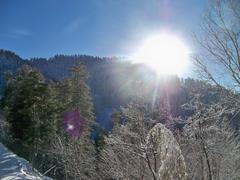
[165,53]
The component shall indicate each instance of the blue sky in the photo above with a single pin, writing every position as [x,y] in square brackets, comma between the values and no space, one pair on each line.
[43,28]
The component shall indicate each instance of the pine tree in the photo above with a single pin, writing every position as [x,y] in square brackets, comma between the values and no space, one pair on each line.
[81,99]
[73,148]
[30,108]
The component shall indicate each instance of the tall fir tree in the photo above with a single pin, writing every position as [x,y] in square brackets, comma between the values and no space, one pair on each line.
[73,148]
[81,99]
[30,107]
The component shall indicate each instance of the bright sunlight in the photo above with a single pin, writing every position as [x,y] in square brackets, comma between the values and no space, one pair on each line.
[165,53]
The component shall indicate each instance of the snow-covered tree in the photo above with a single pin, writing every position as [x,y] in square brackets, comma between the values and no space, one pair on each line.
[210,143]
[163,154]
[141,148]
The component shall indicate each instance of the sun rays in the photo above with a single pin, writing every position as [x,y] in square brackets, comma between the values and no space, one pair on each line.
[165,53]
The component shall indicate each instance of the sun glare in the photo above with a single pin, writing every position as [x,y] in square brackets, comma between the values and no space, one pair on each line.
[164,53]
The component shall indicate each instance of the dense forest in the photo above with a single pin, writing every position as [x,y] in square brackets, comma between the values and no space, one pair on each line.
[85,117]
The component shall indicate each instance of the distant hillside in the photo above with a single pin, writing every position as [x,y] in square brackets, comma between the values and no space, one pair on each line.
[9,61]
[109,78]
[115,82]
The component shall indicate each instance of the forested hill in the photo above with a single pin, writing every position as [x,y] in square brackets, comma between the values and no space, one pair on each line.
[9,61]
[108,78]
[114,83]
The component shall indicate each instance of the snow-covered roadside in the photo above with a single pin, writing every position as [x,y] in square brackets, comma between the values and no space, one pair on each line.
[13,167]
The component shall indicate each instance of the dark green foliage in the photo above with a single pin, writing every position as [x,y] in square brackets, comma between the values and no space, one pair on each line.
[30,107]
[99,134]
[74,94]
[73,157]
[81,98]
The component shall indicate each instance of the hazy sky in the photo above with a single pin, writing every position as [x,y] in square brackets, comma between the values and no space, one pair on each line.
[43,28]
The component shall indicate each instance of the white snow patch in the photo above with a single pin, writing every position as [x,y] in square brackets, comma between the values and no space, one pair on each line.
[14,167]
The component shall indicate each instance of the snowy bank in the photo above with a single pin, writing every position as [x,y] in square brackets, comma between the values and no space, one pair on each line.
[13,167]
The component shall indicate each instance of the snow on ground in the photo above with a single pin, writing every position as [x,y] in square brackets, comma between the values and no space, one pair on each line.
[13,167]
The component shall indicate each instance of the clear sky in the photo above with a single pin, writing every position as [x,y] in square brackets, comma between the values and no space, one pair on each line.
[43,28]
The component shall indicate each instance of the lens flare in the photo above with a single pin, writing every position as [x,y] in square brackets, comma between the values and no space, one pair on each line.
[73,123]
